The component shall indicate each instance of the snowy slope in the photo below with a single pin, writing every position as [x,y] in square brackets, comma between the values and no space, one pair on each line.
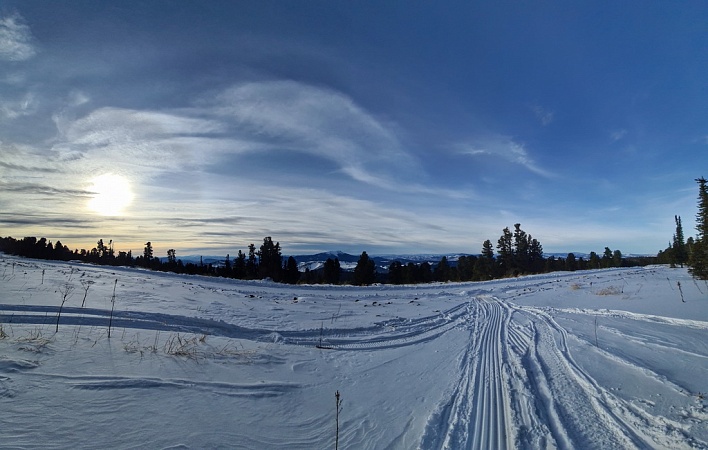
[602,359]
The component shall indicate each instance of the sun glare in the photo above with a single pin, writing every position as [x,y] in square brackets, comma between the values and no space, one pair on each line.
[111,195]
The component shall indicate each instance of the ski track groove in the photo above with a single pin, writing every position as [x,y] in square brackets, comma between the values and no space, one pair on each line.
[389,334]
[554,402]
[476,415]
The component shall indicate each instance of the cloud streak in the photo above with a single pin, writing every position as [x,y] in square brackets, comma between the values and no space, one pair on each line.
[15,39]
[505,148]
[319,122]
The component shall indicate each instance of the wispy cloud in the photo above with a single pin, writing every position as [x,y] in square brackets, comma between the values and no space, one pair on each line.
[320,122]
[252,118]
[15,39]
[141,142]
[505,148]
[543,115]
[24,106]
[618,135]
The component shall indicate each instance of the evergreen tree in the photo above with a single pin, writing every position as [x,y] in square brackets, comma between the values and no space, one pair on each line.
[252,263]
[442,270]
[505,251]
[101,249]
[365,271]
[617,258]
[484,266]
[570,263]
[699,251]
[607,258]
[679,253]
[536,260]
[226,270]
[411,273]
[521,249]
[240,266]
[147,254]
[465,267]
[395,273]
[332,271]
[270,260]
[594,261]
[487,249]
[291,272]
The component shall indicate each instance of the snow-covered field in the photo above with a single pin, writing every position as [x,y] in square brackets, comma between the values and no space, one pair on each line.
[605,359]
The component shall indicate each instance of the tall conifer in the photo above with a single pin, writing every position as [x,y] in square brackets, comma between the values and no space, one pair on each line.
[699,254]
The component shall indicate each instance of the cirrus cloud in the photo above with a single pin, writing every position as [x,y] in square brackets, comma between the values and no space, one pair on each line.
[15,39]
[503,147]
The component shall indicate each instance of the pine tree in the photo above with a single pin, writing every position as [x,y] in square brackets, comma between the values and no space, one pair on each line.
[240,265]
[570,263]
[699,252]
[332,271]
[487,249]
[535,255]
[594,261]
[521,249]
[465,267]
[505,251]
[147,254]
[607,258]
[251,263]
[442,270]
[617,258]
[291,272]
[395,273]
[680,256]
[270,260]
[365,271]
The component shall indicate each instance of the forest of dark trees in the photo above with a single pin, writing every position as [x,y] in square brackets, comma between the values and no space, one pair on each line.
[517,253]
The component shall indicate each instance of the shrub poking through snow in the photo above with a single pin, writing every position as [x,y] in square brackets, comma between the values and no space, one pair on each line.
[64,291]
[611,290]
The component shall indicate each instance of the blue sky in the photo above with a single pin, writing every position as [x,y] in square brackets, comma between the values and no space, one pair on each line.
[390,127]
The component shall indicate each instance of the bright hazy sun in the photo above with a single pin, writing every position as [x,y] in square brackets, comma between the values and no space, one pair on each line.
[111,195]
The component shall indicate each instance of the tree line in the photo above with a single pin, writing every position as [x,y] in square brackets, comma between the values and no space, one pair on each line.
[517,253]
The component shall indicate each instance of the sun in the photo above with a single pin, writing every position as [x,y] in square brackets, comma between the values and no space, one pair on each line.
[111,195]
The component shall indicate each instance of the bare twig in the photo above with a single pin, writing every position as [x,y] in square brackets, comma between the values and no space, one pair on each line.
[681,291]
[65,291]
[338,404]
[86,284]
[113,304]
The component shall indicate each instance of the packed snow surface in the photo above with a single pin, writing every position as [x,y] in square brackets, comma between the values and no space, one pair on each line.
[606,359]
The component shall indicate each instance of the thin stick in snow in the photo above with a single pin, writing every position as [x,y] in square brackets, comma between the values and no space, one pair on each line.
[596,345]
[64,293]
[86,285]
[113,304]
[339,403]
[681,291]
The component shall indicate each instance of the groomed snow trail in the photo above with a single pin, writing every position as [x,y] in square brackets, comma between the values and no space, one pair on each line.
[477,415]
[520,387]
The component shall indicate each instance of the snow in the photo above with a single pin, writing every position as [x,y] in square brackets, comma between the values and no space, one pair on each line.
[598,359]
